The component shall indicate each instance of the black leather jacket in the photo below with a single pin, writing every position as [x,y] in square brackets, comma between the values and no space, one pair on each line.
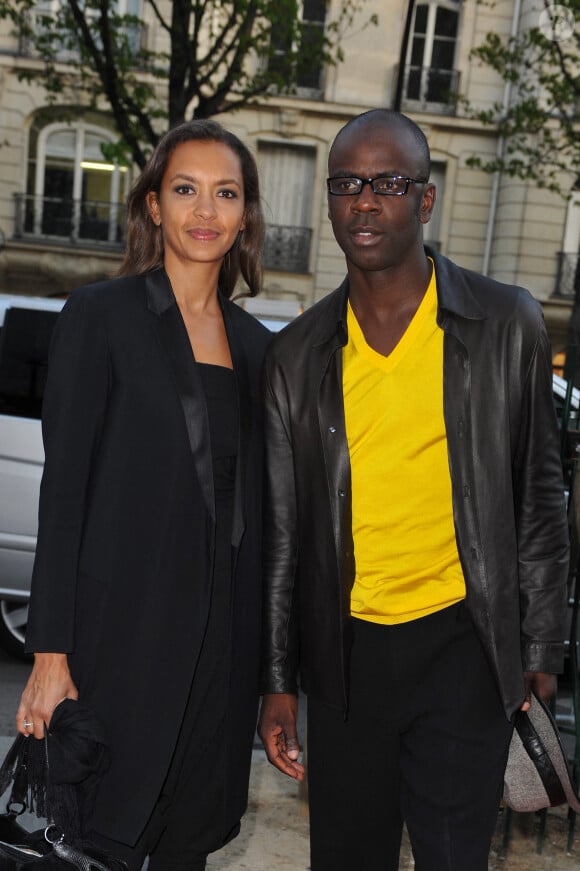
[506,477]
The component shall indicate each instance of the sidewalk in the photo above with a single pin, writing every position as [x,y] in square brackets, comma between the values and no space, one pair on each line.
[274,835]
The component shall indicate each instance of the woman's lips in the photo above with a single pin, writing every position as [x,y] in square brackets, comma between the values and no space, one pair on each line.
[203,235]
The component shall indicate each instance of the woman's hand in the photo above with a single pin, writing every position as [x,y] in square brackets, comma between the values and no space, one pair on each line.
[49,683]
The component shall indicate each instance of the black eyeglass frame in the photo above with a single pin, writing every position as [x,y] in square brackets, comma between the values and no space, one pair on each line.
[371,182]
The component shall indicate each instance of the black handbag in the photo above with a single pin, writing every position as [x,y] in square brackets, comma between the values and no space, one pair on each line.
[49,848]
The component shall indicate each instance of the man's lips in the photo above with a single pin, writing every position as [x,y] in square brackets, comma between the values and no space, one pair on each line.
[364,233]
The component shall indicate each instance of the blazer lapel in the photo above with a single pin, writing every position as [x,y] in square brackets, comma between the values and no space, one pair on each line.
[239,359]
[177,347]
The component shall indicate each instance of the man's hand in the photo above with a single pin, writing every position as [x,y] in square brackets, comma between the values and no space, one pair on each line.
[544,686]
[277,729]
[49,683]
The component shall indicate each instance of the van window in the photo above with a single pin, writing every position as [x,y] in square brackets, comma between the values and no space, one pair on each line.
[24,342]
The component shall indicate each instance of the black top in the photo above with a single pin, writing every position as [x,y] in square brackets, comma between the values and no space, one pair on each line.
[219,386]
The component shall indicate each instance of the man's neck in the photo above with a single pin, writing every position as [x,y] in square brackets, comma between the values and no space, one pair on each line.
[385,302]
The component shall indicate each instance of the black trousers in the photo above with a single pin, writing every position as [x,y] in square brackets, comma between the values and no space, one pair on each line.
[425,742]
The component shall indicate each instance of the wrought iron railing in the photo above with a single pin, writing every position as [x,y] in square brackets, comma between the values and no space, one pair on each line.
[54,218]
[287,249]
[568,276]
[431,87]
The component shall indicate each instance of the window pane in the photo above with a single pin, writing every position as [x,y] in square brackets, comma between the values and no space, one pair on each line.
[58,197]
[94,219]
[308,74]
[446,22]
[61,143]
[92,147]
[414,84]
[421,19]
[24,342]
[417,51]
[314,10]
[443,54]
[439,86]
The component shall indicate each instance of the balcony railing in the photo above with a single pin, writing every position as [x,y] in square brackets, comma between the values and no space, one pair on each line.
[568,276]
[430,88]
[287,249]
[54,219]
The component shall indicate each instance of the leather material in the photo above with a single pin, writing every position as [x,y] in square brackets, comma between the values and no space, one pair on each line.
[541,761]
[504,460]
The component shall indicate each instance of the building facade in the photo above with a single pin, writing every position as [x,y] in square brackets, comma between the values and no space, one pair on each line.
[61,202]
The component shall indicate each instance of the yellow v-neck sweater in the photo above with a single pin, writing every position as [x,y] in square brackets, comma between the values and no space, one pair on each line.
[406,557]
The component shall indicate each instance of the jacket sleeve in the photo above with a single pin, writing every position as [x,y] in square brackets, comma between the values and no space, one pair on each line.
[72,418]
[280,620]
[542,529]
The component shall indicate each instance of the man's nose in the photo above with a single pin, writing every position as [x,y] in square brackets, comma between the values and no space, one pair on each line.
[367,200]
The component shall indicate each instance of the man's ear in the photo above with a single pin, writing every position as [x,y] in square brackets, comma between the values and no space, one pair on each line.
[152,200]
[427,203]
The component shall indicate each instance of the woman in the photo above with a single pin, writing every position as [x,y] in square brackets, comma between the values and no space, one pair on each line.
[145,592]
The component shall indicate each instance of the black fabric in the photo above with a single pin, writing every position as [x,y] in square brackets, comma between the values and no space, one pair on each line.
[123,567]
[77,744]
[189,819]
[425,741]
[47,773]
[27,766]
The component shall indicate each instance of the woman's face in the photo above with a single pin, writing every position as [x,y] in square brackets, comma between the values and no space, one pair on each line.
[200,206]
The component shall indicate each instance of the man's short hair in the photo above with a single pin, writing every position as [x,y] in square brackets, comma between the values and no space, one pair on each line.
[391,118]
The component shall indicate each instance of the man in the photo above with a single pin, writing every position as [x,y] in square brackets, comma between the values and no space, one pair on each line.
[416,542]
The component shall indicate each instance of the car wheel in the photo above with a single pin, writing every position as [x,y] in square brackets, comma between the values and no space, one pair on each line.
[13,620]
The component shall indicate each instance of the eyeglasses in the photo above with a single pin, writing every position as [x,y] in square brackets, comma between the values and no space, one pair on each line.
[385,185]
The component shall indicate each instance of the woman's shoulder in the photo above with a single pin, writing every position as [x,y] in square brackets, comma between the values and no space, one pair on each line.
[109,287]
[109,293]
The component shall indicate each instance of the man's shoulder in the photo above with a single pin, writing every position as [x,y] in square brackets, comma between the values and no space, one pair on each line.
[468,291]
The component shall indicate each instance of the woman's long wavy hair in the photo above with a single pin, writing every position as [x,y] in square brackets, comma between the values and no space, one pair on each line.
[144,243]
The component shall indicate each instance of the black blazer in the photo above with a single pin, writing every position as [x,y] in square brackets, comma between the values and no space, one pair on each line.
[122,574]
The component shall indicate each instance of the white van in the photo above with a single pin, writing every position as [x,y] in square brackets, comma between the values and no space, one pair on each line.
[26,325]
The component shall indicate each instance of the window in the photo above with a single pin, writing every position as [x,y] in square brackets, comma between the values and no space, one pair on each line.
[430,76]
[25,331]
[294,58]
[73,192]
[46,11]
[287,179]
[568,278]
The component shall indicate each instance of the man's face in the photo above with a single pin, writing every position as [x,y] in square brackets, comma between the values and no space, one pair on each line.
[376,231]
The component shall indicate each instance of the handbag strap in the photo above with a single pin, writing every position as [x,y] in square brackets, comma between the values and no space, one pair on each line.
[18,803]
[536,751]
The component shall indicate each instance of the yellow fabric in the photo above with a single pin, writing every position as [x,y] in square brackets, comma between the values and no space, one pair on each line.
[407,563]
